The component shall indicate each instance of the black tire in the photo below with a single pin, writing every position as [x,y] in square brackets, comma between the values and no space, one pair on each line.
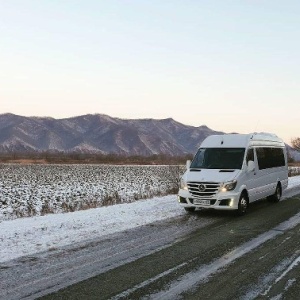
[243,205]
[190,209]
[277,195]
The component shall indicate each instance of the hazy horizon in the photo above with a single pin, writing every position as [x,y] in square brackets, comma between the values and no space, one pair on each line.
[229,65]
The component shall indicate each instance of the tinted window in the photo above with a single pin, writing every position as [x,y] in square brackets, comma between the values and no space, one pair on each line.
[270,157]
[250,155]
[218,158]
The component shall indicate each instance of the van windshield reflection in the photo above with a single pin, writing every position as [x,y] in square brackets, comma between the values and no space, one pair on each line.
[218,158]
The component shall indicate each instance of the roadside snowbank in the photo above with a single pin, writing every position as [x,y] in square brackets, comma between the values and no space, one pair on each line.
[27,236]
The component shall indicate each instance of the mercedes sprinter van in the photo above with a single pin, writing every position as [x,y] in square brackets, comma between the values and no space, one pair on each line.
[232,170]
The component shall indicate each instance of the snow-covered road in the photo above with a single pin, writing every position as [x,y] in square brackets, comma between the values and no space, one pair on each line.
[27,236]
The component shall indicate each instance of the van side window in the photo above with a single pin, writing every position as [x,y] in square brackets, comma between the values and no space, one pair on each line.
[250,155]
[268,157]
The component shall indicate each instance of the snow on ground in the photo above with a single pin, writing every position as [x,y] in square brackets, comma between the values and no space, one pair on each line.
[34,190]
[26,236]
[294,181]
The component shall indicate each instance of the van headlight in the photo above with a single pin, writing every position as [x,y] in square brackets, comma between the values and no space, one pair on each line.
[229,186]
[183,184]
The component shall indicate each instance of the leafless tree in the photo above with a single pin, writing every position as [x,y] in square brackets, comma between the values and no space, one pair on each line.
[296,143]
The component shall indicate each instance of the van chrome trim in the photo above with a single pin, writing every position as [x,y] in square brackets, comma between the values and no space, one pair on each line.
[203,190]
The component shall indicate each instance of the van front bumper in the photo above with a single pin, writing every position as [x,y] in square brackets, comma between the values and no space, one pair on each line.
[221,200]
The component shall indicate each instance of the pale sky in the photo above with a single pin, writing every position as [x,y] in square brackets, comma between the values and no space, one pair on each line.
[230,65]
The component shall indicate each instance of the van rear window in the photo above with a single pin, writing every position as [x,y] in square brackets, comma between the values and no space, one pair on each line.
[270,157]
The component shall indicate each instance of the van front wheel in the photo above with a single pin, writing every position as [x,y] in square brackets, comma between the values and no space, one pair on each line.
[243,205]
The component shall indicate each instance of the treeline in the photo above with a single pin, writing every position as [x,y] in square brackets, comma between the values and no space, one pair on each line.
[87,158]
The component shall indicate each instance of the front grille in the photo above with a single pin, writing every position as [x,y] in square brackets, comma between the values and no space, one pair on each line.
[203,190]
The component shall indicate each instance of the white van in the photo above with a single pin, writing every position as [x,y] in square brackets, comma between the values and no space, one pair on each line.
[232,170]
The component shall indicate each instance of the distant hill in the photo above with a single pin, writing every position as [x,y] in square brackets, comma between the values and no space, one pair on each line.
[99,134]
[102,134]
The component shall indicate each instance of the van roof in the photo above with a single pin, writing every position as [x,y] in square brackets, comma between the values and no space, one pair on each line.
[239,140]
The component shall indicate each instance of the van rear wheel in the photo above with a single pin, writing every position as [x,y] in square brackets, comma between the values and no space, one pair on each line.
[243,205]
[277,195]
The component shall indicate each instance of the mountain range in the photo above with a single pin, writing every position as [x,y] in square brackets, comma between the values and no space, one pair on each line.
[98,133]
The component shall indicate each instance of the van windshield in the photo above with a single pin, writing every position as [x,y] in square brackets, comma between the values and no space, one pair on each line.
[218,158]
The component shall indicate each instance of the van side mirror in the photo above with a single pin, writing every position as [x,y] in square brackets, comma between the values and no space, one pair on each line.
[188,164]
[251,166]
